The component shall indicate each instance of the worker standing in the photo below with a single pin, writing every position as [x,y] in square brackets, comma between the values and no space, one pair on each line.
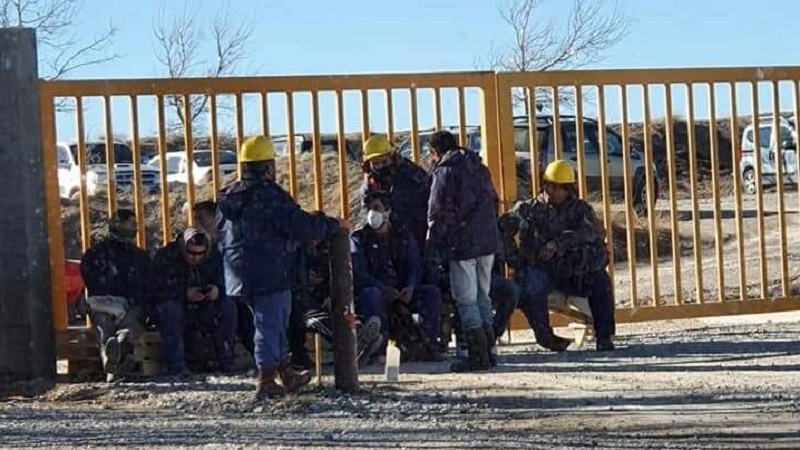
[260,226]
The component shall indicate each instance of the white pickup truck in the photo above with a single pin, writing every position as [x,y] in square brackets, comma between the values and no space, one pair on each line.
[69,174]
[177,170]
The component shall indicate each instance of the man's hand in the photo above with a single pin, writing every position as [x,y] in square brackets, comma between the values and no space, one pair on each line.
[194,295]
[213,293]
[391,293]
[547,253]
[406,294]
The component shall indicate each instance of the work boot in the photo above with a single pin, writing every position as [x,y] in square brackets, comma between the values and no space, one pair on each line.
[301,360]
[556,343]
[604,345]
[292,381]
[369,338]
[267,385]
[111,355]
[491,343]
[478,358]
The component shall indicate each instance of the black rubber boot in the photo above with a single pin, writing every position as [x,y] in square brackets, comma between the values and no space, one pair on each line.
[491,345]
[478,358]
[605,344]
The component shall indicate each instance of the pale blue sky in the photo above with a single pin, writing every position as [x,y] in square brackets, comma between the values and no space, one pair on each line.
[359,36]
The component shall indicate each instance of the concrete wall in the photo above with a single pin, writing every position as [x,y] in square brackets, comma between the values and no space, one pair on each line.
[27,347]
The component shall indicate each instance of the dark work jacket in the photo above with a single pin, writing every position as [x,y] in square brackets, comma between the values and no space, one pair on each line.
[373,253]
[409,190]
[171,275]
[260,230]
[462,210]
[114,267]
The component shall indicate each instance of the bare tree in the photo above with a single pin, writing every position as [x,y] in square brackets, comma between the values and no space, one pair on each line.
[181,47]
[589,32]
[55,21]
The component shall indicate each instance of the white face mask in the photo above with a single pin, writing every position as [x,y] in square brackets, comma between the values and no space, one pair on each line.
[375,219]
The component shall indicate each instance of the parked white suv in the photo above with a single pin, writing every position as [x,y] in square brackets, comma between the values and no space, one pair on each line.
[69,174]
[591,146]
[177,167]
[769,145]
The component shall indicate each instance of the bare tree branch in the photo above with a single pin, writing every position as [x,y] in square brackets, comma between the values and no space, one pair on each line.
[55,20]
[181,44]
[589,32]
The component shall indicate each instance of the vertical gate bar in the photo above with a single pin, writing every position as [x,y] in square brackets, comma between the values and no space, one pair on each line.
[673,197]
[290,144]
[58,299]
[719,250]
[83,204]
[608,223]
[533,145]
[389,116]
[188,143]
[166,232]
[437,108]
[462,117]
[414,125]
[317,151]
[365,128]
[344,204]
[212,130]
[737,193]
[762,257]
[265,113]
[239,113]
[628,185]
[138,203]
[557,135]
[777,143]
[652,224]
[111,180]
[579,147]
[693,169]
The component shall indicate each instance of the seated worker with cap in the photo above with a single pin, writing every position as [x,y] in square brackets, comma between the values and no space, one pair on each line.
[387,270]
[189,297]
[561,246]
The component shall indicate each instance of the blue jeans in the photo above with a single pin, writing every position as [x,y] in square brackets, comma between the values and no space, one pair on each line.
[470,282]
[426,301]
[272,322]
[536,284]
[178,321]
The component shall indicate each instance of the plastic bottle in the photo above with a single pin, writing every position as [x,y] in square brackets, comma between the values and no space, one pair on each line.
[392,362]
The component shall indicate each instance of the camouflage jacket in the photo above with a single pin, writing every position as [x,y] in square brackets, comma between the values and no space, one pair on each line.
[114,267]
[572,229]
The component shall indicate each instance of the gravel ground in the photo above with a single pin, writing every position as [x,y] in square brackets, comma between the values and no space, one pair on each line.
[728,383]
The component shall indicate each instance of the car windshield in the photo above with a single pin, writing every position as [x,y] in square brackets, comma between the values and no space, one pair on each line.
[96,153]
[203,159]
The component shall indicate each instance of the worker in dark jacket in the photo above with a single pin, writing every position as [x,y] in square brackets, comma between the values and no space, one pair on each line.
[189,296]
[407,183]
[462,220]
[205,217]
[387,268]
[562,246]
[260,227]
[114,270]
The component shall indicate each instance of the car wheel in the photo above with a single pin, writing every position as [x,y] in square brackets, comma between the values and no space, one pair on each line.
[749,181]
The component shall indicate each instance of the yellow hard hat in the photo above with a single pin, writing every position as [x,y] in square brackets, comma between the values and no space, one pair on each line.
[559,172]
[257,148]
[376,146]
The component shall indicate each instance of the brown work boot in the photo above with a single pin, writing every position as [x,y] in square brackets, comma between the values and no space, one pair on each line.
[267,385]
[292,380]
